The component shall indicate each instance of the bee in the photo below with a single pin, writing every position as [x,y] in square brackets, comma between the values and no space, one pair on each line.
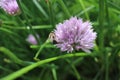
[52,38]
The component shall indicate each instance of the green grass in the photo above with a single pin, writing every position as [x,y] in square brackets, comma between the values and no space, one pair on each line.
[20,60]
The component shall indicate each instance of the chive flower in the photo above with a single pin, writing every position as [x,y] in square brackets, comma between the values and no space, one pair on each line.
[10,6]
[74,34]
[31,39]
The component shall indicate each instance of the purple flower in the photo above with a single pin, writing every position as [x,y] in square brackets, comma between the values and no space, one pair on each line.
[74,34]
[10,6]
[31,39]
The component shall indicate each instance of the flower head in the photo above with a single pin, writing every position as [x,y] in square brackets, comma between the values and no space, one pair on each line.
[10,6]
[31,39]
[74,34]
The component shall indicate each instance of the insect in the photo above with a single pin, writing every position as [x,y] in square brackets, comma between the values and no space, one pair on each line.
[52,38]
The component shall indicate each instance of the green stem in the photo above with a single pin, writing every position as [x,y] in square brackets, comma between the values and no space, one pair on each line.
[101,36]
[40,49]
[106,67]
[51,13]
[113,5]
[5,69]
[54,72]
[98,73]
[27,21]
[34,65]
[85,11]
[106,55]
[65,9]
[13,57]
[40,8]
[34,27]
[107,12]
[101,24]
[83,7]
[74,69]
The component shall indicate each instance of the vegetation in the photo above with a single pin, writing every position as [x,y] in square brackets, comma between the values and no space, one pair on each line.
[20,60]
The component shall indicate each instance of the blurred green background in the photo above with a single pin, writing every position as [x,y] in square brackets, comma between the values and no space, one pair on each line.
[43,15]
